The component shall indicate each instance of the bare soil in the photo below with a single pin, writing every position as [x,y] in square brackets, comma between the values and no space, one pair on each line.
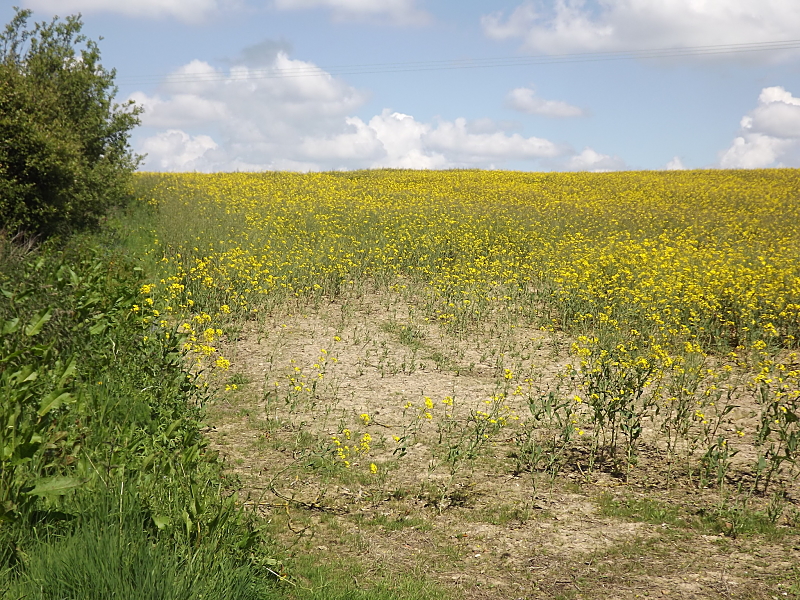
[482,526]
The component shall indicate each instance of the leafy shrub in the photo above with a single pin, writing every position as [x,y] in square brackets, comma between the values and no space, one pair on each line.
[64,154]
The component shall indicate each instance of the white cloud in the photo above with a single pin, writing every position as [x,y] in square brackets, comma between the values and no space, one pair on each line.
[590,160]
[769,135]
[676,164]
[258,122]
[454,140]
[360,143]
[403,140]
[525,100]
[185,10]
[210,119]
[173,150]
[517,24]
[398,12]
[561,26]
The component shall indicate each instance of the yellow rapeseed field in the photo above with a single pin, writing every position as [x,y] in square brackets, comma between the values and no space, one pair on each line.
[704,256]
[679,291]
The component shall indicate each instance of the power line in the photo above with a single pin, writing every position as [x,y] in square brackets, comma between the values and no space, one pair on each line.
[466,63]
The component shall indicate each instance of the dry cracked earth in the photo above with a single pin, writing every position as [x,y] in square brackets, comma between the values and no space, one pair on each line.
[478,524]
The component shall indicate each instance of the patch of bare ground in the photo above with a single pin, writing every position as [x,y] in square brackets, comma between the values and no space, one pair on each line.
[352,428]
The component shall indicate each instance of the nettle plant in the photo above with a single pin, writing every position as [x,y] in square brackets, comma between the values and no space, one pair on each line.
[36,387]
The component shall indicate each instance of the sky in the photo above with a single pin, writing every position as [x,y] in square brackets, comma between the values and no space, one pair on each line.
[532,85]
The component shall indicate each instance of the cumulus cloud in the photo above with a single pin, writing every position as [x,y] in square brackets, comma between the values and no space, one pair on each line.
[185,10]
[591,160]
[454,140]
[769,135]
[205,118]
[403,140]
[562,26]
[175,150]
[525,100]
[255,116]
[676,164]
[398,12]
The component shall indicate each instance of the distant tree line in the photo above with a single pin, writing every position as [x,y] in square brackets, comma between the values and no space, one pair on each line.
[64,151]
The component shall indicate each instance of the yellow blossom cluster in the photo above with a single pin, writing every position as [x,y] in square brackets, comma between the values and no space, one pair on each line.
[346,447]
[708,257]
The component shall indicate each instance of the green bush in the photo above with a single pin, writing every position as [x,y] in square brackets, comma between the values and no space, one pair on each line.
[107,488]
[64,153]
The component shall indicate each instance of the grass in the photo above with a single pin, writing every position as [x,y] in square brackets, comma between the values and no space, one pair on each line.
[394,523]
[728,518]
[642,510]
[505,514]
[108,488]
[109,554]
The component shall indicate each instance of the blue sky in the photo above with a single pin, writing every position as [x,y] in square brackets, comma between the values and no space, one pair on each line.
[282,84]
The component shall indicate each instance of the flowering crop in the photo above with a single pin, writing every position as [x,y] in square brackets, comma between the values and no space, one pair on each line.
[708,256]
[666,280]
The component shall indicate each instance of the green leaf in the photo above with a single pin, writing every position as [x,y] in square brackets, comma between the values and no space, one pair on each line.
[24,452]
[761,464]
[173,426]
[791,417]
[38,321]
[54,486]
[98,328]
[24,375]
[147,461]
[187,521]
[10,326]
[10,357]
[161,521]
[52,401]
[69,371]
[248,541]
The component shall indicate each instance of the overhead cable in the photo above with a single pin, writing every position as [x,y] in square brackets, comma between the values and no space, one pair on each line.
[246,73]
